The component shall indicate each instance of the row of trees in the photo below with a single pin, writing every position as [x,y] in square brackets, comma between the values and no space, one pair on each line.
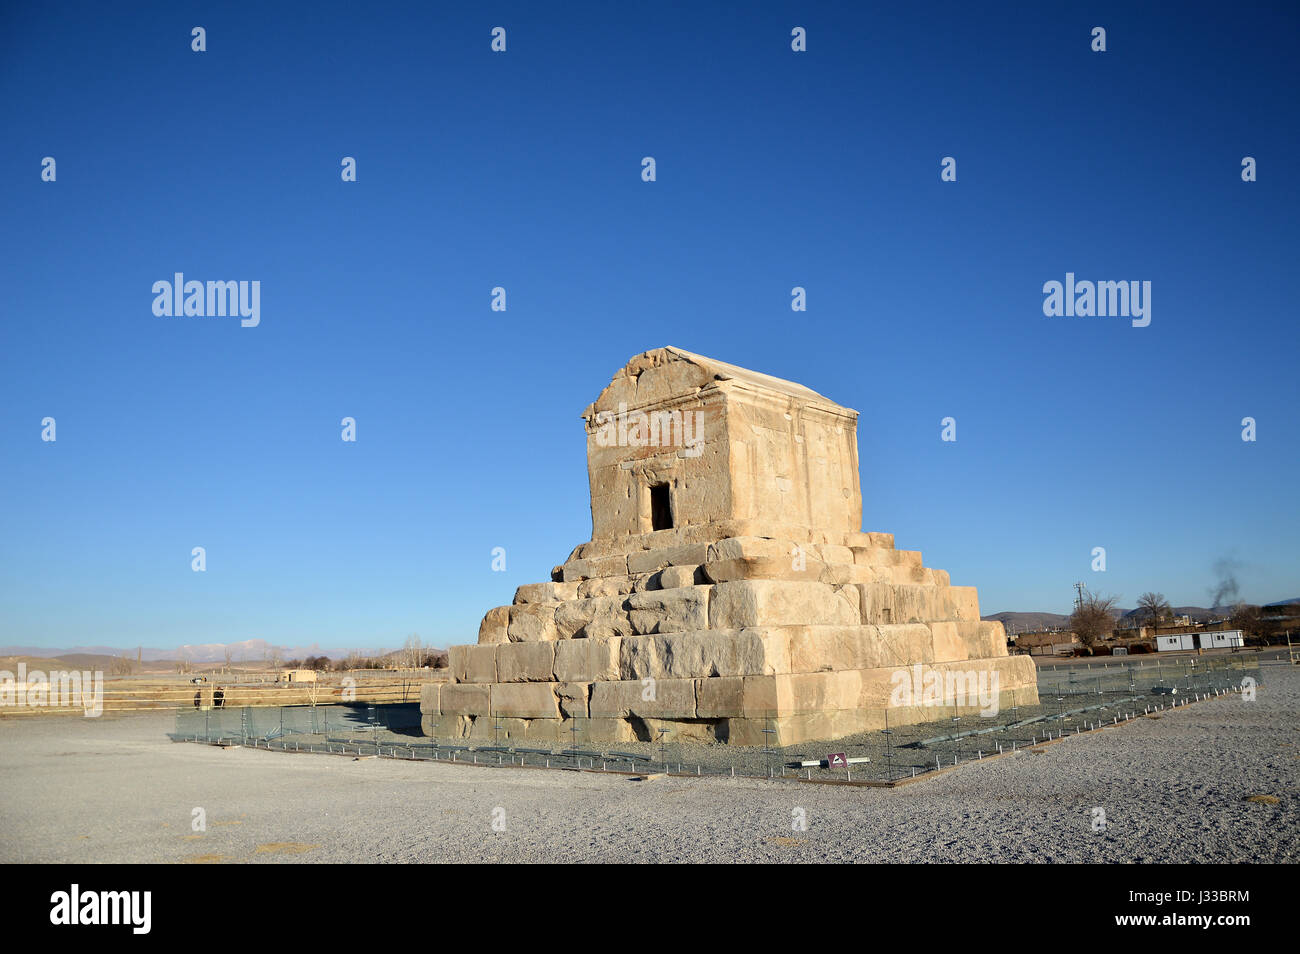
[357,661]
[413,655]
[1095,615]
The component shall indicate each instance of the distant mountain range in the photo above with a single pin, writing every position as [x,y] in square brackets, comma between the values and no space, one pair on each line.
[245,651]
[1035,622]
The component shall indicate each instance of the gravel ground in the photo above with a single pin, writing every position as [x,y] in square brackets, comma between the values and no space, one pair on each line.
[1172,789]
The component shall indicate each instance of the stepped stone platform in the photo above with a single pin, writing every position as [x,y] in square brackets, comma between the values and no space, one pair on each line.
[727,592]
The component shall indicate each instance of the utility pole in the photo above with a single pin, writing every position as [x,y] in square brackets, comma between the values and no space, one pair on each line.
[1078,598]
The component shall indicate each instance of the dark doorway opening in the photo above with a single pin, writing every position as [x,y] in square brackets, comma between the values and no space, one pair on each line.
[661,511]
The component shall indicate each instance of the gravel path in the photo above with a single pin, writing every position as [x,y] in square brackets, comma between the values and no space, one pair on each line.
[1172,789]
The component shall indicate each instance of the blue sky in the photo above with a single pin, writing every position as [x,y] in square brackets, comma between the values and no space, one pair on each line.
[522,169]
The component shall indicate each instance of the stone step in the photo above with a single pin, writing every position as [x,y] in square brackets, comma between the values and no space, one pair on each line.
[906,603]
[757,650]
[745,594]
[624,709]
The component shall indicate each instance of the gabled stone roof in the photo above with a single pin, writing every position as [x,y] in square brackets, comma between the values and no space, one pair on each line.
[668,372]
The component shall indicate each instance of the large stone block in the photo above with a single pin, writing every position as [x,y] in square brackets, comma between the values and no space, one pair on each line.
[605,586]
[449,727]
[472,663]
[493,629]
[587,660]
[610,730]
[964,602]
[833,553]
[578,570]
[722,697]
[650,561]
[825,648]
[573,698]
[459,699]
[429,697]
[805,569]
[546,592]
[526,662]
[950,643]
[672,577]
[701,653]
[659,699]
[532,622]
[669,611]
[603,616]
[746,603]
[916,603]
[752,548]
[967,639]
[525,700]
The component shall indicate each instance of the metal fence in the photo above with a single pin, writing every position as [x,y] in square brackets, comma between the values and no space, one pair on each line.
[1072,700]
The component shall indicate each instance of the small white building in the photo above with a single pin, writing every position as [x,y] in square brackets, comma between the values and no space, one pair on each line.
[1224,639]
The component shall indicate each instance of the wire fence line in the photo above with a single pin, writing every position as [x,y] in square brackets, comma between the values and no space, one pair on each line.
[1071,701]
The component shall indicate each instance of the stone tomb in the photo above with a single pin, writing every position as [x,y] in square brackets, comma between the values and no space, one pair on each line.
[727,587]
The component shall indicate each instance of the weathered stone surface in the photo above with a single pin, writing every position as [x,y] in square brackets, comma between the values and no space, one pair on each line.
[917,603]
[587,660]
[824,648]
[702,653]
[472,663]
[719,698]
[669,611]
[429,697]
[532,622]
[606,586]
[650,561]
[462,699]
[674,576]
[578,570]
[603,616]
[572,697]
[526,662]
[526,700]
[745,603]
[546,592]
[494,625]
[610,730]
[798,569]
[833,553]
[658,699]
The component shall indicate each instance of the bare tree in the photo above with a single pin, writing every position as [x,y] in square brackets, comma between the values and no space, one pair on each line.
[1250,620]
[1093,618]
[412,652]
[314,688]
[1155,607]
